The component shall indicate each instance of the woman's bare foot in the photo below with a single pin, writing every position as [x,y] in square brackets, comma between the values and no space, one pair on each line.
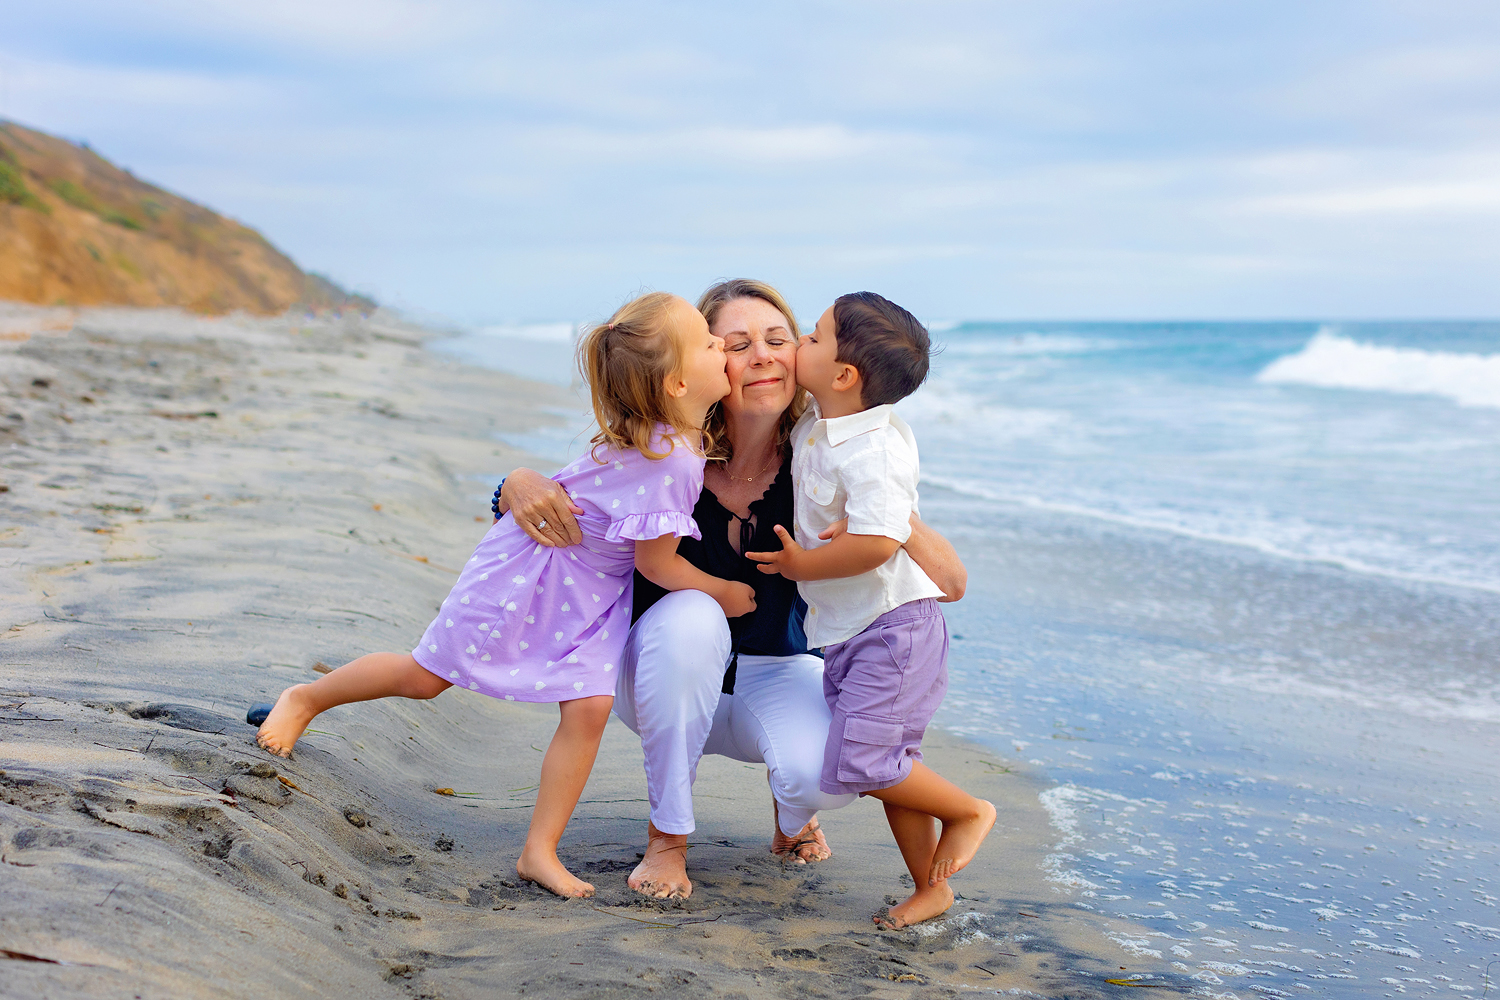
[959,842]
[808,845]
[286,723]
[924,904]
[540,865]
[662,873]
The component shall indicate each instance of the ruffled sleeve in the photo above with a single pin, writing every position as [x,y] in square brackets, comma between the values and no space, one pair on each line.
[644,527]
[650,498]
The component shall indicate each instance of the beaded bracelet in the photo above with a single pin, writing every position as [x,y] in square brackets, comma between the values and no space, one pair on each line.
[495,503]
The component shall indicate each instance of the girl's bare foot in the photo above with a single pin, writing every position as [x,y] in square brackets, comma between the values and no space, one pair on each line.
[808,845]
[286,723]
[662,873]
[924,904]
[540,865]
[959,843]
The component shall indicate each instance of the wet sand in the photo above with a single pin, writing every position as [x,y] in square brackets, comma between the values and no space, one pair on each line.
[196,512]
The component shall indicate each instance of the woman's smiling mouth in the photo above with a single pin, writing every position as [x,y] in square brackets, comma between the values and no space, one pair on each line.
[764,381]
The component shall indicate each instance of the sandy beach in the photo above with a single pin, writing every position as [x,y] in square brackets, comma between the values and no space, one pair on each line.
[194,514]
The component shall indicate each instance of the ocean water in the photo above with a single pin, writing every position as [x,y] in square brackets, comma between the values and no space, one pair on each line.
[1235,595]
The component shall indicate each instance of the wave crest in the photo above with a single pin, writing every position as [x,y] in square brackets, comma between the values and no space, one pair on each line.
[1333,361]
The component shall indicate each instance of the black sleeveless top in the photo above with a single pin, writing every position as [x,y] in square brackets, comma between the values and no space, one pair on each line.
[774,628]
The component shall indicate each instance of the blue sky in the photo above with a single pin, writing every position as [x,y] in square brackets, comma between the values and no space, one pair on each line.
[491,161]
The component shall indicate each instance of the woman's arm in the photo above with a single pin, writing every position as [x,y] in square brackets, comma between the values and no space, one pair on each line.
[658,561]
[938,559]
[534,500]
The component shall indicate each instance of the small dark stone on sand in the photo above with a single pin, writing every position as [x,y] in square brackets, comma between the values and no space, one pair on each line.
[262,771]
[443,843]
[258,713]
[341,891]
[356,817]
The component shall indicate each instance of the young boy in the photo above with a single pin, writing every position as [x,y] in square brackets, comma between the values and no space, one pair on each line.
[870,607]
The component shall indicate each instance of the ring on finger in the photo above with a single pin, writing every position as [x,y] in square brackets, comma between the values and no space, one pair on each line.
[541,524]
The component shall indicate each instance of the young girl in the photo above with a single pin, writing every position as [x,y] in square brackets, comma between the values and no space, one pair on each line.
[531,623]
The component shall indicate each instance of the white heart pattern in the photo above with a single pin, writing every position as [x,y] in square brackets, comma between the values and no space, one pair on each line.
[640,491]
[566,606]
[484,626]
[515,671]
[453,675]
[484,576]
[599,574]
[619,465]
[572,657]
[473,685]
[464,599]
[518,579]
[510,697]
[557,635]
[609,666]
[511,606]
[531,619]
[669,481]
[449,623]
[614,504]
[540,685]
[604,633]
[598,481]
[525,645]
[596,598]
[485,657]
[472,649]
[578,685]
[433,647]
[568,580]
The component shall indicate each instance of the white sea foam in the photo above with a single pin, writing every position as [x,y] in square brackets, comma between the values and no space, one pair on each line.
[1031,344]
[1270,548]
[1333,361]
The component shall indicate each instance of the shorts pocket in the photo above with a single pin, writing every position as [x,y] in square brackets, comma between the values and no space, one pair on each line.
[868,752]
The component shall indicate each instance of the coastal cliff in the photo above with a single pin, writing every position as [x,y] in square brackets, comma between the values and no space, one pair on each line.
[75,230]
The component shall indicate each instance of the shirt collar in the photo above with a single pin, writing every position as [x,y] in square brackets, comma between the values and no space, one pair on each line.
[841,429]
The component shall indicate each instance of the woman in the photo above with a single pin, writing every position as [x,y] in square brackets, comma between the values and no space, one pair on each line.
[692,682]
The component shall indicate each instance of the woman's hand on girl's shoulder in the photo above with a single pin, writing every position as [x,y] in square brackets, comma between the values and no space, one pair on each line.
[542,508]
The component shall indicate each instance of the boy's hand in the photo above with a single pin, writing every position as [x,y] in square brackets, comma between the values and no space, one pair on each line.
[784,562]
[737,599]
[834,530]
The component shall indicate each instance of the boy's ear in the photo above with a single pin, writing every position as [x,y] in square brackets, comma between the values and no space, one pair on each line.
[846,379]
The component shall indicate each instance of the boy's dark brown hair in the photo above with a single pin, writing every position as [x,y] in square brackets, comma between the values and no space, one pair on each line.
[884,342]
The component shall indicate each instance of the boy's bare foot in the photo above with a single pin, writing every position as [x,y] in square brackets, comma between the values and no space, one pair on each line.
[924,904]
[959,842]
[662,873]
[286,723]
[541,866]
[808,845]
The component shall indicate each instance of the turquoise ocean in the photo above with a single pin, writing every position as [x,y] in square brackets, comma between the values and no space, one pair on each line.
[1235,594]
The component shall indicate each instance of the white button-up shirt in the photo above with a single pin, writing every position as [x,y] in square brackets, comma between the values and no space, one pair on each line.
[864,467]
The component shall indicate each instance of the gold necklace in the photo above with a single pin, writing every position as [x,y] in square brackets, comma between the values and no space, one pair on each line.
[751,479]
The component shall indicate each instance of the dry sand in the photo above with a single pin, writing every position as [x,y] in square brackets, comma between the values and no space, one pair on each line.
[197,511]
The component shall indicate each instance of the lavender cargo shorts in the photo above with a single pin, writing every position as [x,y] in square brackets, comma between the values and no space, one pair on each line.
[883,686]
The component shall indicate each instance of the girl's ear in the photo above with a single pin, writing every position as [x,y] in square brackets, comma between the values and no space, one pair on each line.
[675,386]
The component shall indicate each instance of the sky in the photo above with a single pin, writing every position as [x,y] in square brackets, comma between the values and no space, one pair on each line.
[486,162]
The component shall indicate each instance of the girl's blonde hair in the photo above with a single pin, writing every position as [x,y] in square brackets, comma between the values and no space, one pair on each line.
[626,363]
[710,304]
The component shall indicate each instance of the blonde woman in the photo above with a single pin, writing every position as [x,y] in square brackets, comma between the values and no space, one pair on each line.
[693,681]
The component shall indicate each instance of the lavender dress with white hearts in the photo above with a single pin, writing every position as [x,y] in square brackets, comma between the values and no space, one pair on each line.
[530,623]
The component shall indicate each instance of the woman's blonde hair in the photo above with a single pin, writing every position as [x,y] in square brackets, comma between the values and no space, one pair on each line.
[710,304]
[626,363]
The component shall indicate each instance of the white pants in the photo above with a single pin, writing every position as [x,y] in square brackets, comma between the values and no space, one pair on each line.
[668,692]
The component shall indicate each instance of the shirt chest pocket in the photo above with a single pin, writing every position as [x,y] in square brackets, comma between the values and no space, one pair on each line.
[817,489]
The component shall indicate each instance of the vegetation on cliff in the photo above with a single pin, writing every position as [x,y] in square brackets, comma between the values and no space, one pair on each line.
[77,230]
